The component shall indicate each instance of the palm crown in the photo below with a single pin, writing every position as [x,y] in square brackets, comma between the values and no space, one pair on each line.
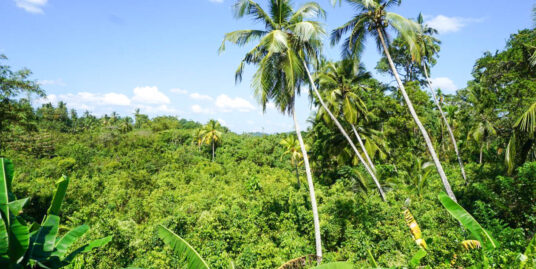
[288,40]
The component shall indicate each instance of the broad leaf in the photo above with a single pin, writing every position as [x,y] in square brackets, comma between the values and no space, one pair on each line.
[3,237]
[19,238]
[45,238]
[68,239]
[16,206]
[87,248]
[467,220]
[61,189]
[529,257]
[182,248]
[6,176]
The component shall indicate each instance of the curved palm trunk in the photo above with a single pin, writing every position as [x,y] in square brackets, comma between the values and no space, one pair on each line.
[369,160]
[429,144]
[314,208]
[298,176]
[213,150]
[449,129]
[341,129]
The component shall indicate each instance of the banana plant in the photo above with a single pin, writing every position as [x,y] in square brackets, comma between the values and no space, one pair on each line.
[36,245]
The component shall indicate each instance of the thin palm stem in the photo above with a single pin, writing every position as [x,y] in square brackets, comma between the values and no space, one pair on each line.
[369,160]
[449,129]
[312,195]
[341,129]
[427,139]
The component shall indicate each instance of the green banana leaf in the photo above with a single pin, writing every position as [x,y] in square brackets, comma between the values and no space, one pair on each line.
[181,247]
[19,238]
[335,265]
[63,244]
[3,237]
[45,238]
[61,189]
[16,206]
[468,221]
[87,248]
[6,176]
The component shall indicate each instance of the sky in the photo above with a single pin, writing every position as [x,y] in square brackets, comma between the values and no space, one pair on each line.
[162,55]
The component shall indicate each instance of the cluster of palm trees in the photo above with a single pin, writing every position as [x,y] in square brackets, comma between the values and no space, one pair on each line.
[210,134]
[290,46]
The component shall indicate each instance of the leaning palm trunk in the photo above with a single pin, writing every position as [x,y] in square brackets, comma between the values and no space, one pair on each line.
[369,160]
[341,129]
[449,129]
[311,189]
[429,144]
[298,176]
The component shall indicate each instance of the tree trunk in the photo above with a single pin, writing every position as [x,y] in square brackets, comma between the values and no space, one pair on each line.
[449,129]
[369,160]
[429,144]
[314,208]
[298,176]
[341,129]
[213,150]
[481,150]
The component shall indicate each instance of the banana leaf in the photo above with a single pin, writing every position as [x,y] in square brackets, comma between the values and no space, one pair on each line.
[63,244]
[61,189]
[467,221]
[182,248]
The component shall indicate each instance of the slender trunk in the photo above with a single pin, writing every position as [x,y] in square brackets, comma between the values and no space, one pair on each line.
[314,208]
[449,129]
[212,150]
[431,149]
[298,176]
[481,150]
[364,149]
[341,129]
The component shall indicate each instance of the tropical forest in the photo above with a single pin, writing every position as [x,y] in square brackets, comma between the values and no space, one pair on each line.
[376,166]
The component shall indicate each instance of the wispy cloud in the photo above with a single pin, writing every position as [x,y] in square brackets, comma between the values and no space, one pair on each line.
[198,96]
[149,95]
[227,104]
[178,91]
[216,1]
[46,82]
[445,24]
[32,6]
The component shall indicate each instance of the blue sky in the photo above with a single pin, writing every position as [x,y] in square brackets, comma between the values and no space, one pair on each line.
[161,55]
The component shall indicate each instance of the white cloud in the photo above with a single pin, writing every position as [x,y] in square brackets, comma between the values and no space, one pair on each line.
[443,83]
[32,6]
[200,110]
[178,91]
[46,82]
[445,24]
[149,95]
[222,122]
[198,96]
[116,99]
[227,104]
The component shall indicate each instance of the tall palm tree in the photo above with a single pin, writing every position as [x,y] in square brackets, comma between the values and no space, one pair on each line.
[212,135]
[373,19]
[481,133]
[429,46]
[287,39]
[341,81]
[292,148]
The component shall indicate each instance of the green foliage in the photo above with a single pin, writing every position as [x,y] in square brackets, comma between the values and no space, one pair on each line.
[27,246]
[181,247]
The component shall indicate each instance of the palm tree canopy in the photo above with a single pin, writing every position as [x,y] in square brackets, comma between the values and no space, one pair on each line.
[372,16]
[211,132]
[289,38]
[341,81]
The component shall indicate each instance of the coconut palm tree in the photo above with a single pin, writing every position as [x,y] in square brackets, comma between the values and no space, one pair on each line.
[429,46]
[287,40]
[374,20]
[212,135]
[292,148]
[340,81]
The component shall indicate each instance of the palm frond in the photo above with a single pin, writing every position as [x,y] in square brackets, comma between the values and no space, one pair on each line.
[241,37]
[308,10]
[248,7]
[527,122]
